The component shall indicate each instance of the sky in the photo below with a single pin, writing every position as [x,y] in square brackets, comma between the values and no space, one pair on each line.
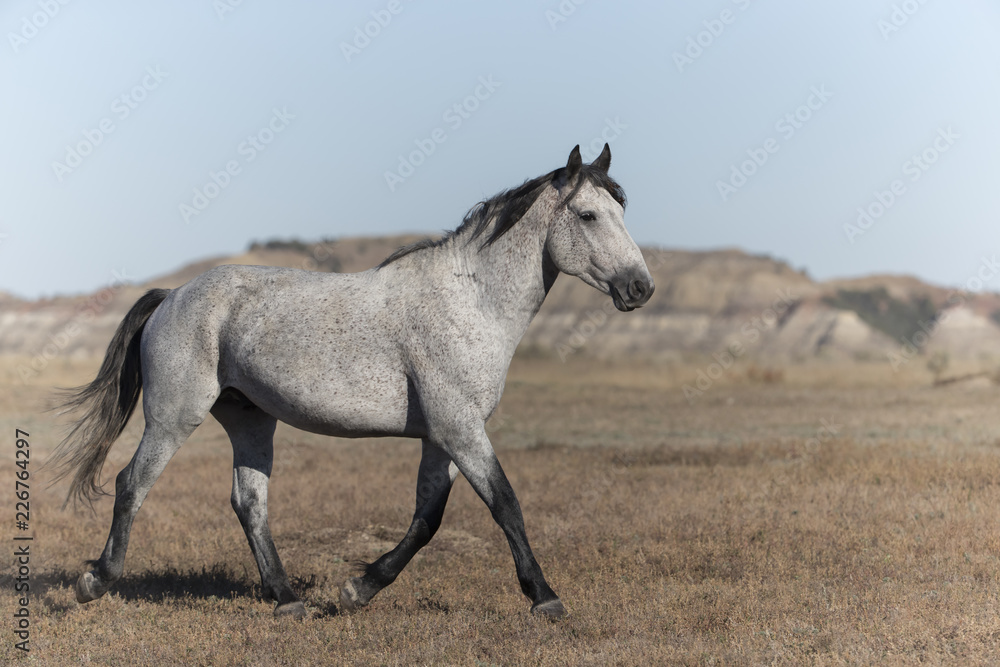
[846,138]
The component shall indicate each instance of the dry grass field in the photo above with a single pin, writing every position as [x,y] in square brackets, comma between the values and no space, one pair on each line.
[720,532]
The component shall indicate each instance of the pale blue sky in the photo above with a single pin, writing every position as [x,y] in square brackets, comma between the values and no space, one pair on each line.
[676,131]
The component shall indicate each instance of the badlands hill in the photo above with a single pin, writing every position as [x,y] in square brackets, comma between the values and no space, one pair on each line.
[706,304]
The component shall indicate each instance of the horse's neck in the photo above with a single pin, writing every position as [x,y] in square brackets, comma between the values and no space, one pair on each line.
[512,276]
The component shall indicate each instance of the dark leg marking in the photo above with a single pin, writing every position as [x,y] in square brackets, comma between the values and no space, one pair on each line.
[481,467]
[434,480]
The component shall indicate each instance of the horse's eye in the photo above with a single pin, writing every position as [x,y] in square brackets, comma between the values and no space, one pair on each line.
[588,216]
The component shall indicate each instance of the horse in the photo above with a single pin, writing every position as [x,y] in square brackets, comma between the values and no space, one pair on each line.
[417,347]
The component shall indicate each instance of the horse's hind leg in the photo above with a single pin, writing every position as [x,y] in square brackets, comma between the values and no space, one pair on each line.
[251,431]
[437,473]
[159,443]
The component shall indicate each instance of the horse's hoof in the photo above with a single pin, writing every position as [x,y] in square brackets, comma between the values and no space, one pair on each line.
[86,588]
[296,610]
[350,602]
[552,609]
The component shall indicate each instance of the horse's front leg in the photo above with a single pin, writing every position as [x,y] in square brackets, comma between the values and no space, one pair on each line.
[437,473]
[473,453]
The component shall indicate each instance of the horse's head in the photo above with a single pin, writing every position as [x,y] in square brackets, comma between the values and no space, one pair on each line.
[587,236]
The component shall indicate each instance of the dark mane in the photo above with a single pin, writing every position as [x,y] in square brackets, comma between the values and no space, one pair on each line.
[508,206]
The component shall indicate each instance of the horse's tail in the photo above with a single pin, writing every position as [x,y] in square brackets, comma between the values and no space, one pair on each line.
[108,403]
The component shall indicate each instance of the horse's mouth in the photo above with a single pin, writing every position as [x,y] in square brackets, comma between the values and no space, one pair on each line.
[616,298]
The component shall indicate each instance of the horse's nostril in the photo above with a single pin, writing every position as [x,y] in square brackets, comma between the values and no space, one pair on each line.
[636,289]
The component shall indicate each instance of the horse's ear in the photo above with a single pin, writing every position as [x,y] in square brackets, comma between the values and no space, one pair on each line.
[574,164]
[603,160]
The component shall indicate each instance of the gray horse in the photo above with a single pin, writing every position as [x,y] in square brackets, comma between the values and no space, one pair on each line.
[417,347]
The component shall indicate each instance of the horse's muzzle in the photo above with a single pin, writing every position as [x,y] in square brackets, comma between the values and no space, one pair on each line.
[636,292]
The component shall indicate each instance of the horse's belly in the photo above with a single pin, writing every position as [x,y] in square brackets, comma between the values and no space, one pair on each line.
[346,407]
[338,420]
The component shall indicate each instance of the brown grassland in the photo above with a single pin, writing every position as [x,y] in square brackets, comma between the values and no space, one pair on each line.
[718,532]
